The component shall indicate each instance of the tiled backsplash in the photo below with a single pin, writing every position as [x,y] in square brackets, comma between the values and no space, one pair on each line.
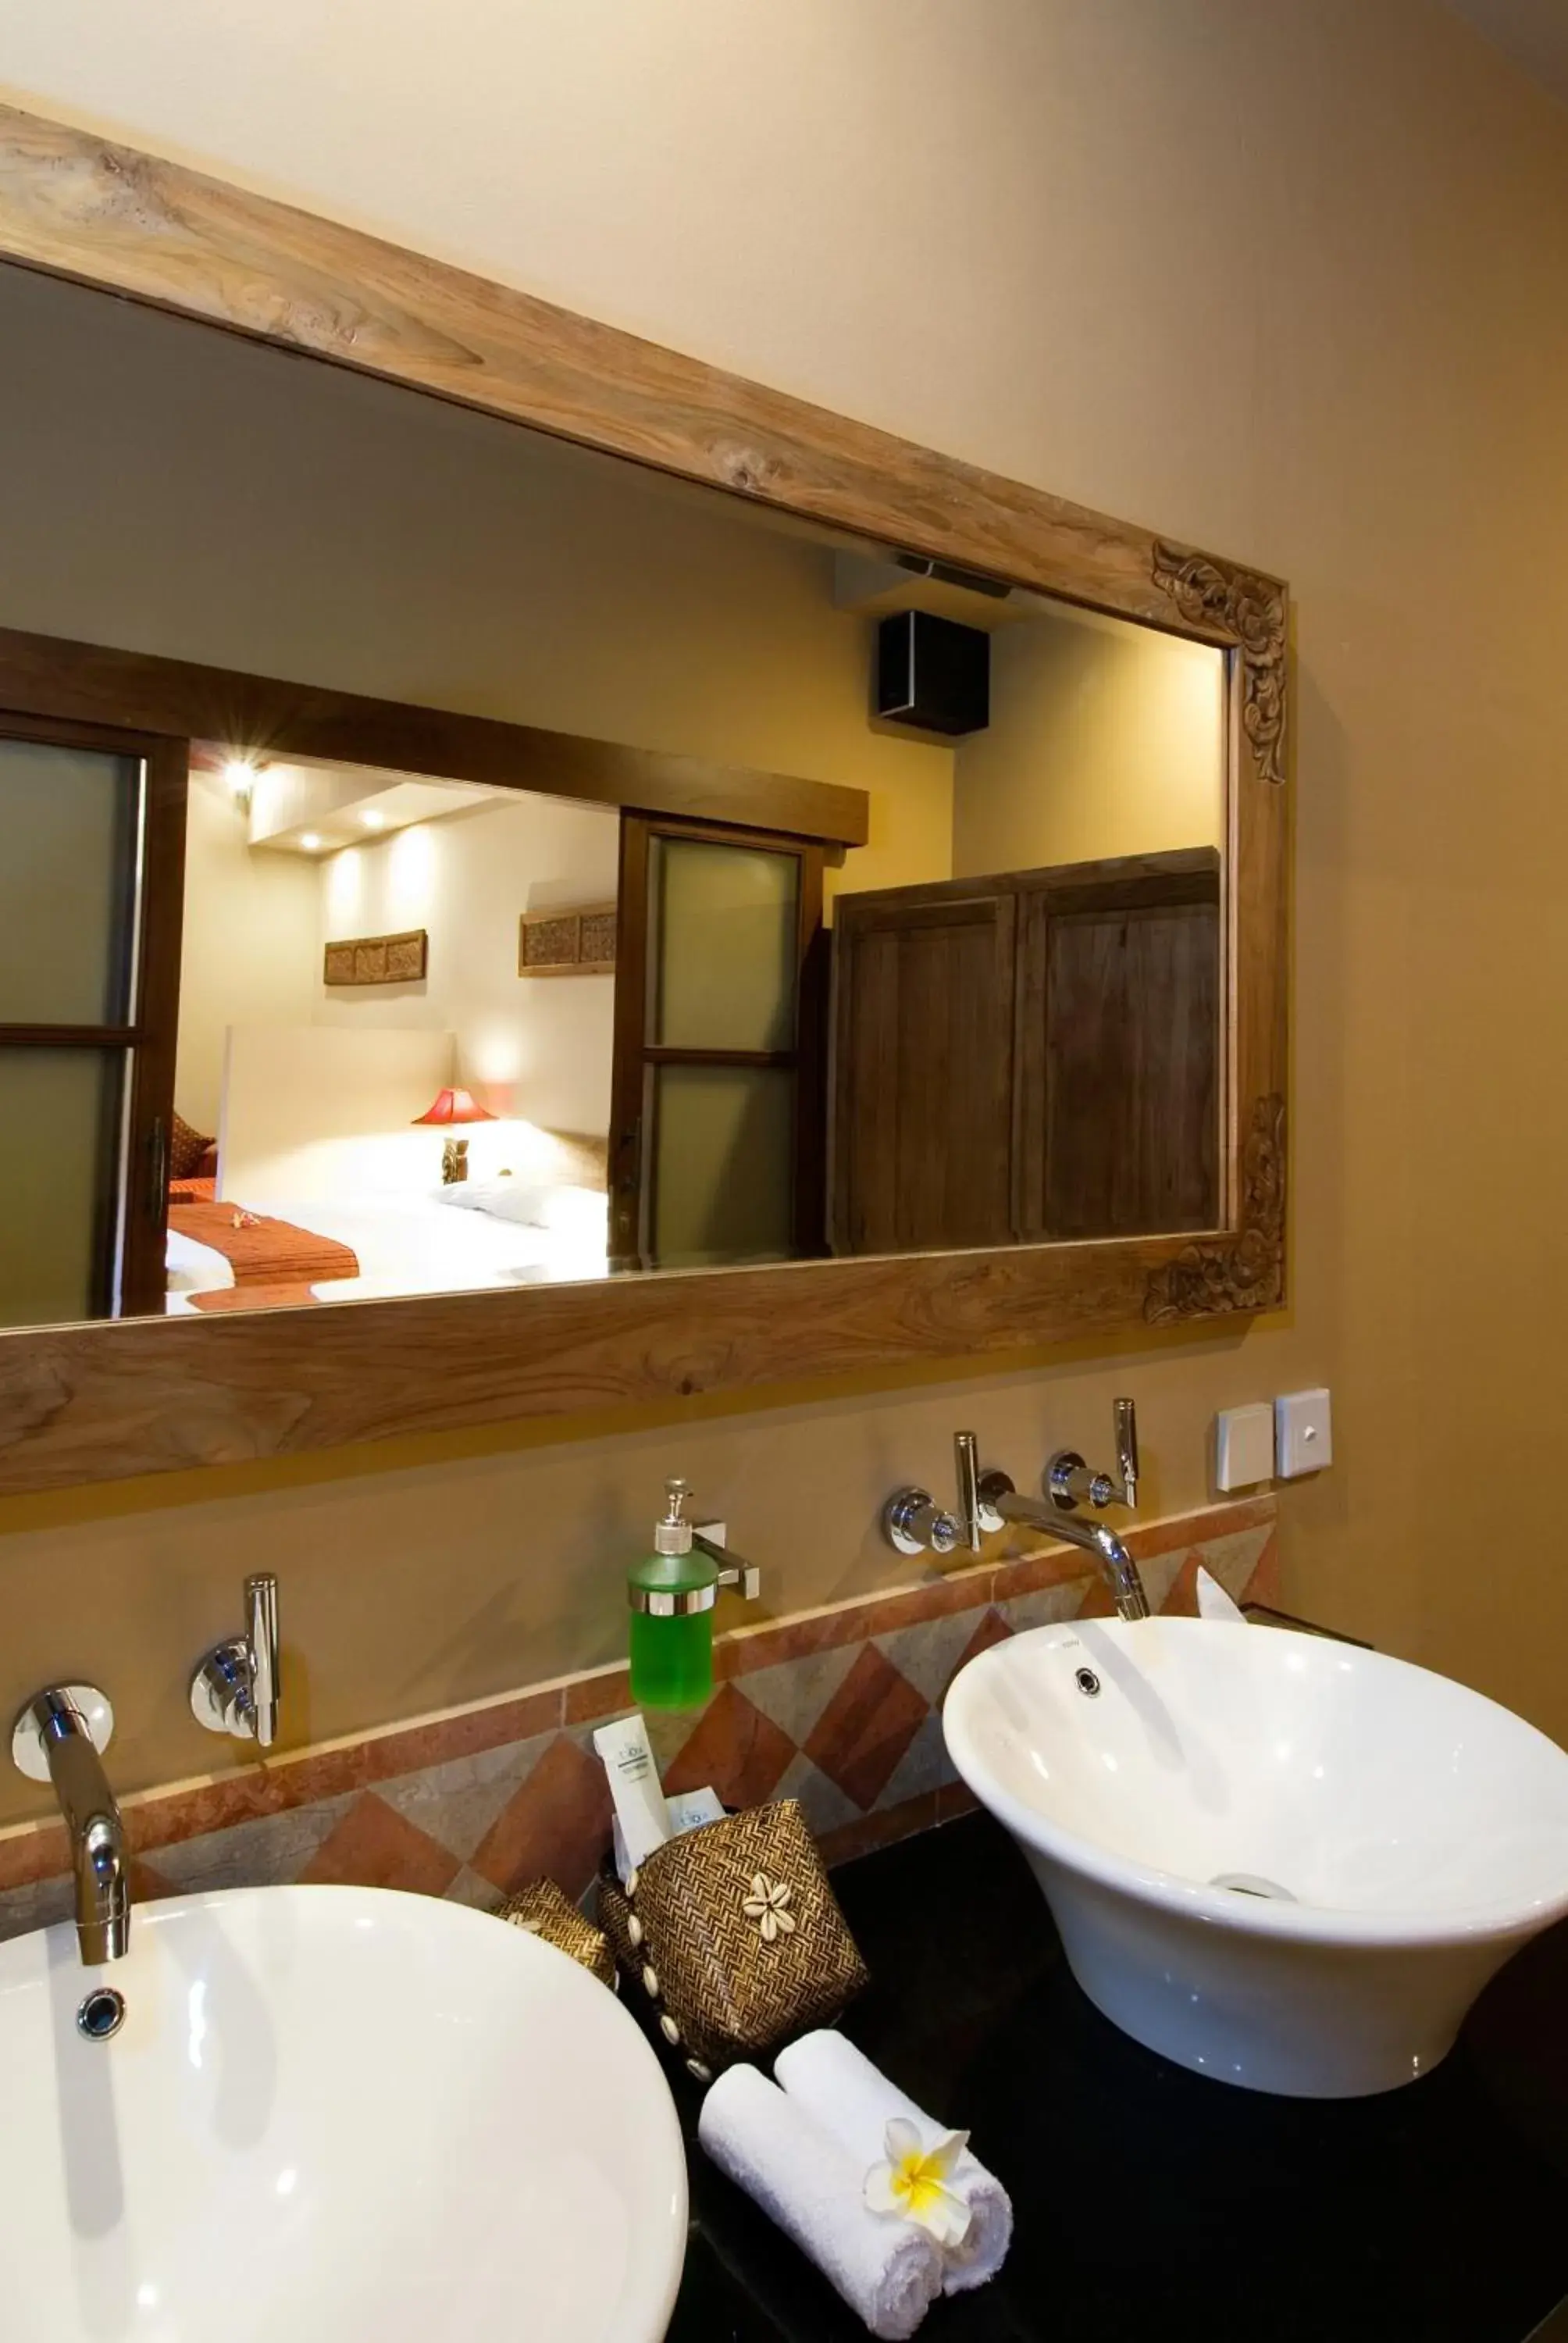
[840,1709]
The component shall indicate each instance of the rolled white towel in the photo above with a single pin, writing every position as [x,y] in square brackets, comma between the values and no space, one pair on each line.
[888,2272]
[837,2084]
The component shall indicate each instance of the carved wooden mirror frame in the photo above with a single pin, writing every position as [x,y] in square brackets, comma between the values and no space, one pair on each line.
[131,1396]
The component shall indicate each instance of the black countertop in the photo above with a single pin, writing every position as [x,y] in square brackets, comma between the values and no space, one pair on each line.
[1150,2201]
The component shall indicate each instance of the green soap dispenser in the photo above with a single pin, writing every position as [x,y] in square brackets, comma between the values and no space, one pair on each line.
[671,1594]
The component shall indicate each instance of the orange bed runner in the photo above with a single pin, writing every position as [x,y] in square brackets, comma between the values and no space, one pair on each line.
[262,1251]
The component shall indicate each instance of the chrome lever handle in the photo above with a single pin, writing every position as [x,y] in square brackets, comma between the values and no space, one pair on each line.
[238,1688]
[966,1465]
[1127,1452]
[261,1634]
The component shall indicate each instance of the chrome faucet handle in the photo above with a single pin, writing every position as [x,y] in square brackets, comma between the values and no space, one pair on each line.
[1070,1483]
[913,1523]
[978,1491]
[238,1687]
[1127,1452]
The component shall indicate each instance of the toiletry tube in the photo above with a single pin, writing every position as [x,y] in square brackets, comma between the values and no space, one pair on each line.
[838,2087]
[888,2270]
[639,1806]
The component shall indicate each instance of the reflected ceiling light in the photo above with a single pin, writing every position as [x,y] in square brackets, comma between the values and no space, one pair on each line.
[372,819]
[309,841]
[240,775]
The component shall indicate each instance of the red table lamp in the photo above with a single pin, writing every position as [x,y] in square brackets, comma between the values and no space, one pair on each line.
[450,1107]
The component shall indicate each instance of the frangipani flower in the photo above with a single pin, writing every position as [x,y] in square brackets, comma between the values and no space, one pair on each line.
[913,2182]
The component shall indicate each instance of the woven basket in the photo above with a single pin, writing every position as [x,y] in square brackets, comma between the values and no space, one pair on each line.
[736,1935]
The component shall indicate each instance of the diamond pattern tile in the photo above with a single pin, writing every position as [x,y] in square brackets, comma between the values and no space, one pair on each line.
[375,1848]
[556,1827]
[735,1747]
[840,1710]
[865,1727]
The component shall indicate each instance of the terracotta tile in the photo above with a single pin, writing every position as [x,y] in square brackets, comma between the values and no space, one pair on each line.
[735,1747]
[881,1829]
[1146,1539]
[990,1628]
[1052,1566]
[268,1851]
[457,1804]
[556,1827]
[1098,1603]
[374,1847]
[589,1699]
[824,1805]
[149,1886]
[769,1646]
[37,1851]
[795,1692]
[955,1799]
[439,1739]
[865,1727]
[961,1590]
[39,1904]
[924,1765]
[929,1653]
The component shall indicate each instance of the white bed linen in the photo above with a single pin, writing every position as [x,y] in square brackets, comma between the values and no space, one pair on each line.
[402,1245]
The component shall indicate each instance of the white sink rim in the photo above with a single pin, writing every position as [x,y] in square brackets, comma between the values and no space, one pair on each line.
[596,2077]
[1299,1921]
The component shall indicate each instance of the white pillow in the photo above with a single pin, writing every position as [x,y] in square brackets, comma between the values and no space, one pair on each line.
[580,1212]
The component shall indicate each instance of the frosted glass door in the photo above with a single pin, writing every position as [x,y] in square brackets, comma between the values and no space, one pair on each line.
[715,1147]
[84,1070]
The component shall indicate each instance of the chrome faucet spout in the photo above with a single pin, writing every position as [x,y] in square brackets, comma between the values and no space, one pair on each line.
[92,1818]
[1116,1566]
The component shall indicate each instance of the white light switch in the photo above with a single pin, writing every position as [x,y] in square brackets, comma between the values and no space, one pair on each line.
[1303,1432]
[1244,1446]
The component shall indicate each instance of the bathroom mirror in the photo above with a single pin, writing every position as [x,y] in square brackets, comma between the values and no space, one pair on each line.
[865,881]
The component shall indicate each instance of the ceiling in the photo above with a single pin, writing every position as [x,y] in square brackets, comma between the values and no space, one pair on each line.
[1533,33]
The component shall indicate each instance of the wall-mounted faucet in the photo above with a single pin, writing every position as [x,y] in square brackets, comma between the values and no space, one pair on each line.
[238,1687]
[914,1524]
[1069,1481]
[57,1738]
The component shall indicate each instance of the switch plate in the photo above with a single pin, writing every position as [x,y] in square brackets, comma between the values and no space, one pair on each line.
[1244,1446]
[1303,1432]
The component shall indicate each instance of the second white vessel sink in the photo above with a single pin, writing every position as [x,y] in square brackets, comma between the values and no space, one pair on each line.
[1277,1859]
[331,2114]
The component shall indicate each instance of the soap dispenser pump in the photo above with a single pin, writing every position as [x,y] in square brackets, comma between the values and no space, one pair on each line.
[671,1593]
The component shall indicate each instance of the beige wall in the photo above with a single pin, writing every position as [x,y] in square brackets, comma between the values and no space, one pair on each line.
[539,1050]
[1292,282]
[249,951]
[1103,739]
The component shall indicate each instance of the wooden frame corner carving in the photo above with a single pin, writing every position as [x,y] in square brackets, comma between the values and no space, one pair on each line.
[1246,1270]
[1248,610]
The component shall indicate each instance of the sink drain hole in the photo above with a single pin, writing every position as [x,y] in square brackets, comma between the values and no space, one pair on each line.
[102,2014]
[1251,1883]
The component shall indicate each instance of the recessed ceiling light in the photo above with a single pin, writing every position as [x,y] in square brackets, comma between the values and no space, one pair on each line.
[309,841]
[372,819]
[240,775]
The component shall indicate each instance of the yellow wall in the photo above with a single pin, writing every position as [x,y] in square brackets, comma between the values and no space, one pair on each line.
[1103,739]
[250,952]
[1285,281]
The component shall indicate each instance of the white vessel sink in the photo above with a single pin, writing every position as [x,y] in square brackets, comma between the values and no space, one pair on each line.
[331,2114]
[1282,1861]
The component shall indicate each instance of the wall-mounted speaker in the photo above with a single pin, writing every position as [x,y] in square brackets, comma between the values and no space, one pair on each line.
[932,674]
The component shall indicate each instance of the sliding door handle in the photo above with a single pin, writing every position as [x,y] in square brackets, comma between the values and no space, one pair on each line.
[157,1171]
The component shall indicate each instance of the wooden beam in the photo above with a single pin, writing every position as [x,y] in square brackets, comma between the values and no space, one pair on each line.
[82,206]
[46,675]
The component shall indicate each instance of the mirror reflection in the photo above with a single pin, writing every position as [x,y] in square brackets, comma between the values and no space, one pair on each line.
[396,1033]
